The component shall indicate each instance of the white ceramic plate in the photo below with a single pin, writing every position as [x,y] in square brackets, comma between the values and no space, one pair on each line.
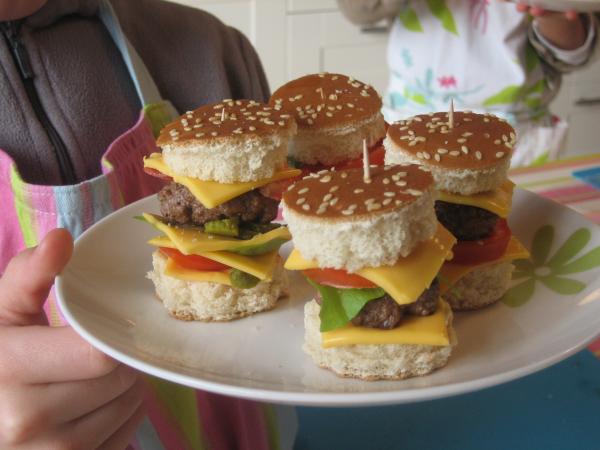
[105,296]
[565,5]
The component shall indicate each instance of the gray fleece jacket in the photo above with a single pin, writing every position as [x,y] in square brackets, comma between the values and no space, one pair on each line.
[84,87]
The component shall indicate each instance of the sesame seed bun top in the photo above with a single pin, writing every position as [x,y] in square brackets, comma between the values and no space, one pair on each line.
[327,100]
[240,117]
[476,141]
[345,194]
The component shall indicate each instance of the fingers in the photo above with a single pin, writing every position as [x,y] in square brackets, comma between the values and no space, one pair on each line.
[27,411]
[122,437]
[36,354]
[98,427]
[28,278]
[115,421]
[536,11]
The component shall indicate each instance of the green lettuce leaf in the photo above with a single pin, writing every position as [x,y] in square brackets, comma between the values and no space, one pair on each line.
[340,306]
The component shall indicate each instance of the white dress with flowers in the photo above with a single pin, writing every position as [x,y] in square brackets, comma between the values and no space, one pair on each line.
[486,56]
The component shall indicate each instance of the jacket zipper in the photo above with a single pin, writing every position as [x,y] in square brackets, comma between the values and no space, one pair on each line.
[21,58]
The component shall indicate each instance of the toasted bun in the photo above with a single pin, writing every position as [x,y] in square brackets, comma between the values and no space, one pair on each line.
[343,222]
[213,302]
[480,288]
[473,156]
[250,144]
[373,362]
[334,114]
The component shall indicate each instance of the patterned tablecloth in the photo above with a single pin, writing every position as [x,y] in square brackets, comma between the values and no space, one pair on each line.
[556,181]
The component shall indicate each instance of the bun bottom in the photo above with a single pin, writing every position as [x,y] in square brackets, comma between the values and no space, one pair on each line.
[373,362]
[480,288]
[214,302]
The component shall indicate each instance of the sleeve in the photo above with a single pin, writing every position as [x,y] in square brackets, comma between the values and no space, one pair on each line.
[367,12]
[253,82]
[565,61]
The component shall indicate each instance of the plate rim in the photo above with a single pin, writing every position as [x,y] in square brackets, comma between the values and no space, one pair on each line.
[315,399]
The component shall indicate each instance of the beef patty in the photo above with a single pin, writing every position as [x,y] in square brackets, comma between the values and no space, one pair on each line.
[385,313]
[179,206]
[466,223]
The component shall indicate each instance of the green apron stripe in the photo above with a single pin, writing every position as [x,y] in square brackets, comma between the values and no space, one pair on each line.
[25,214]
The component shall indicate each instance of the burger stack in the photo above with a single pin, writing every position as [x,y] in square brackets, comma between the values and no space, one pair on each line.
[217,257]
[370,244]
[468,155]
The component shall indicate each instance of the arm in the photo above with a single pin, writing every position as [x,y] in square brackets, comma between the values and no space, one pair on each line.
[565,41]
[366,12]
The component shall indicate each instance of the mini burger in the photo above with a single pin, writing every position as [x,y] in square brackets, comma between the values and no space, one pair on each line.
[334,113]
[372,248]
[469,156]
[217,257]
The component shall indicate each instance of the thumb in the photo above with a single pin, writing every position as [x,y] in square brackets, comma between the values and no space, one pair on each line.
[29,276]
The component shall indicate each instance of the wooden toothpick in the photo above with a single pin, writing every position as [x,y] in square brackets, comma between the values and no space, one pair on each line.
[321,92]
[223,115]
[366,165]
[451,114]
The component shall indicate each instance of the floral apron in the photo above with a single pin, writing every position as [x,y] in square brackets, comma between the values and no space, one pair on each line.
[178,417]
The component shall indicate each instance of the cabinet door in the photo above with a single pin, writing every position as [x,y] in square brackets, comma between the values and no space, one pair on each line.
[327,42]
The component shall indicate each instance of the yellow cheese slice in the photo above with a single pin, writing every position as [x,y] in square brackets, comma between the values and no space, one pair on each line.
[192,241]
[261,266]
[409,277]
[428,330]
[452,272]
[498,201]
[181,273]
[212,193]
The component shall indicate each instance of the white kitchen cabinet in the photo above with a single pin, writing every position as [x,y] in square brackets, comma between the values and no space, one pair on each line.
[296,37]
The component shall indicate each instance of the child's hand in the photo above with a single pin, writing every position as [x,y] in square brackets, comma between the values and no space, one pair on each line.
[541,12]
[56,391]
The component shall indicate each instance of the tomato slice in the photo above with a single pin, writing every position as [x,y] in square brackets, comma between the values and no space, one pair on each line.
[193,262]
[338,278]
[157,174]
[483,250]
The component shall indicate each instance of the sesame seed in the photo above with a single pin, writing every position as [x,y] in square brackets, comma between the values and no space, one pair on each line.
[303,190]
[325,179]
[389,194]
[322,209]
[454,153]
[310,121]
[281,123]
[373,206]
[327,197]
[437,157]
[504,138]
[442,151]
[398,202]
[344,175]
[478,155]
[401,183]
[426,155]
[508,144]
[386,181]
[467,134]
[486,119]
[465,149]
[414,192]
[499,155]
[334,201]
[387,201]
[359,191]
[199,134]
[413,143]
[306,207]
[252,128]
[497,142]
[486,135]
[214,133]
[187,129]
[300,201]
[347,212]
[328,114]
[461,140]
[350,105]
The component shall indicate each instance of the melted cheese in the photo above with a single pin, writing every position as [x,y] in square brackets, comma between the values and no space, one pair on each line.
[498,201]
[428,330]
[192,241]
[409,277]
[172,269]
[261,266]
[452,272]
[213,193]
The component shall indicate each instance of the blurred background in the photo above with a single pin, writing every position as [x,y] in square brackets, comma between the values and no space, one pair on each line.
[313,36]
